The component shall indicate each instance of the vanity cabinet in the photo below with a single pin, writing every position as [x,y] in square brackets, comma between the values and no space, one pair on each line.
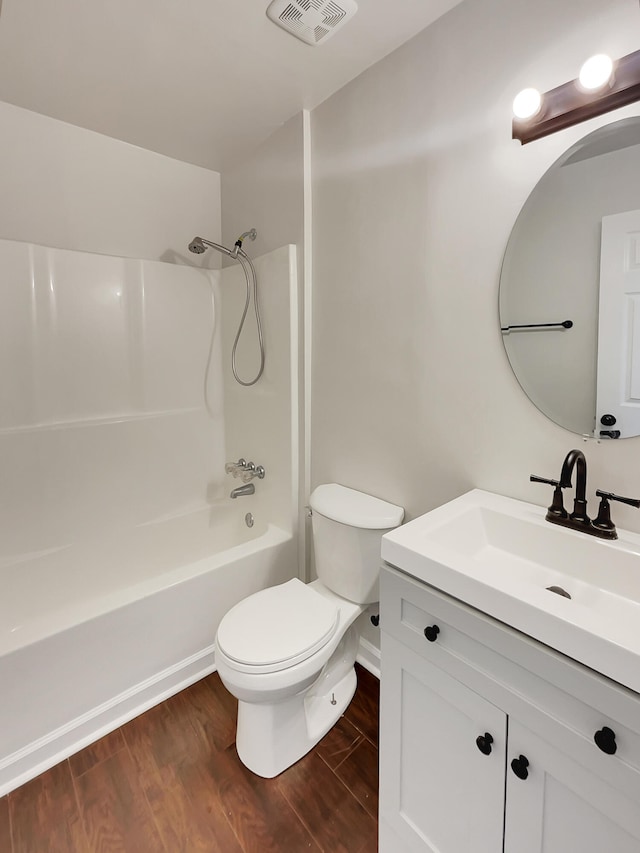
[487,737]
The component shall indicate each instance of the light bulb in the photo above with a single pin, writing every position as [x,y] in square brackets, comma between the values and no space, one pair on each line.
[527,103]
[596,72]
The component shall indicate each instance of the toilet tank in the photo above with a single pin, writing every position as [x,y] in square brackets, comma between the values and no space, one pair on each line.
[347,531]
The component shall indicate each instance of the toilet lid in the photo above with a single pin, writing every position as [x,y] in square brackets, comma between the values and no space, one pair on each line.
[277,627]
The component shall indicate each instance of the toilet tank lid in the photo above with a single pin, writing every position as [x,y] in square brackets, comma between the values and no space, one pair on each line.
[354,508]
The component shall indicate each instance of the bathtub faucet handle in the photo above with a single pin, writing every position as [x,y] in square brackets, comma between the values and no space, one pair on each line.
[251,471]
[235,467]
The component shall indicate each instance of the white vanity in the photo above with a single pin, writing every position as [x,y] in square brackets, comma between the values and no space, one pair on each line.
[510,714]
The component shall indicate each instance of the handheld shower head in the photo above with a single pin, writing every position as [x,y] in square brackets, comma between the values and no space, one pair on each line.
[197,246]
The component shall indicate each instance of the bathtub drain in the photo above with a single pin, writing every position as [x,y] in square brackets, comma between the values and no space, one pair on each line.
[248,520]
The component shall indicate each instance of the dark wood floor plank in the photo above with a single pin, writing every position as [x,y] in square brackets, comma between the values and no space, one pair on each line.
[96,752]
[335,819]
[188,824]
[338,743]
[5,826]
[45,815]
[116,815]
[261,817]
[211,710]
[359,772]
[363,710]
[157,740]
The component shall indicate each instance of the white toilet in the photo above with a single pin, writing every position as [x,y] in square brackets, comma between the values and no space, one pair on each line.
[288,652]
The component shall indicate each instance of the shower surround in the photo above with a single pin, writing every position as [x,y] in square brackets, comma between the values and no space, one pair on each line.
[119,547]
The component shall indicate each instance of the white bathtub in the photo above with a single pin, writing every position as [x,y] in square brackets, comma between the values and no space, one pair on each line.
[95,633]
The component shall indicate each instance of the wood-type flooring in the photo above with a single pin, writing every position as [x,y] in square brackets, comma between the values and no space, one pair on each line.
[170,781]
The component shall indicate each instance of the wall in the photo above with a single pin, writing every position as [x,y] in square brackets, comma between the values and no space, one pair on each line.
[417,184]
[552,272]
[71,188]
[104,421]
[267,192]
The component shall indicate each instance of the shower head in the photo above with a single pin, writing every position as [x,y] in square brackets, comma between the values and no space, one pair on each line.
[197,246]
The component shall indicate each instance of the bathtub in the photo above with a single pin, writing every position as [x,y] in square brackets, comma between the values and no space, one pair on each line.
[94,633]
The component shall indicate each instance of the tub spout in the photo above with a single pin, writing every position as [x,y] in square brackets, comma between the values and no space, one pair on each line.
[241,491]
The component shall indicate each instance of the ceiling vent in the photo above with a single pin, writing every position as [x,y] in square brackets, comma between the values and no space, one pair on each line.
[312,21]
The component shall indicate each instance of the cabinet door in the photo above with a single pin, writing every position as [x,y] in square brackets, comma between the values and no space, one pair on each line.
[560,807]
[439,793]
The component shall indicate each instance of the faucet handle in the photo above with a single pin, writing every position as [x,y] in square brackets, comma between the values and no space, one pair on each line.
[250,471]
[535,479]
[603,521]
[234,467]
[609,496]
[556,510]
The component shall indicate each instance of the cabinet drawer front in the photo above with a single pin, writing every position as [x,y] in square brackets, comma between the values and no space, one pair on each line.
[574,712]
[408,610]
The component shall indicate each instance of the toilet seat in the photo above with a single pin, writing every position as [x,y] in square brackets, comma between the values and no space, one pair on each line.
[277,628]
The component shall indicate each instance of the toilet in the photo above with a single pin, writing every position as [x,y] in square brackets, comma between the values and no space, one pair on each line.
[287,653]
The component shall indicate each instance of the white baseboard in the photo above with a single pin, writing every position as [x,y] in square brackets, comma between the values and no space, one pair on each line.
[44,753]
[369,657]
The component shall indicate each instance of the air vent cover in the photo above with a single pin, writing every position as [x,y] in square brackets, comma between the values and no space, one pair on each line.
[312,21]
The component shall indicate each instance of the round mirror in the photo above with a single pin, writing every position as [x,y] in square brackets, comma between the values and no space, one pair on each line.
[570,287]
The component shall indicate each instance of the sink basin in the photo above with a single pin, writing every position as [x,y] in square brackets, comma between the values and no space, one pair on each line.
[578,594]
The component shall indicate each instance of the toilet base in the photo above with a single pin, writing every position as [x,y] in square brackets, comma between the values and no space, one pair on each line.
[272,737]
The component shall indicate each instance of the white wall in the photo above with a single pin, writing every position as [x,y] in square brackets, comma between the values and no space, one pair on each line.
[71,188]
[103,419]
[417,184]
[266,192]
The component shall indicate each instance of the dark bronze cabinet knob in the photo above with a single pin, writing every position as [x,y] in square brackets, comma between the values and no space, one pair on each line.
[431,633]
[608,420]
[519,766]
[605,739]
[483,742]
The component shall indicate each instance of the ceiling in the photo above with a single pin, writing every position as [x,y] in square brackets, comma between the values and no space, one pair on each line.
[204,81]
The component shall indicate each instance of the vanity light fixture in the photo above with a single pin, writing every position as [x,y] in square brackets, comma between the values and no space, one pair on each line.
[603,86]
[527,103]
[596,73]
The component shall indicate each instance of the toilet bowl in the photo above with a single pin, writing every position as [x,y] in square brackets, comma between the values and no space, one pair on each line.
[287,653]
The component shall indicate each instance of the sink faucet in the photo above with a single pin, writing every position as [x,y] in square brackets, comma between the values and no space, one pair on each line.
[575,459]
[602,526]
